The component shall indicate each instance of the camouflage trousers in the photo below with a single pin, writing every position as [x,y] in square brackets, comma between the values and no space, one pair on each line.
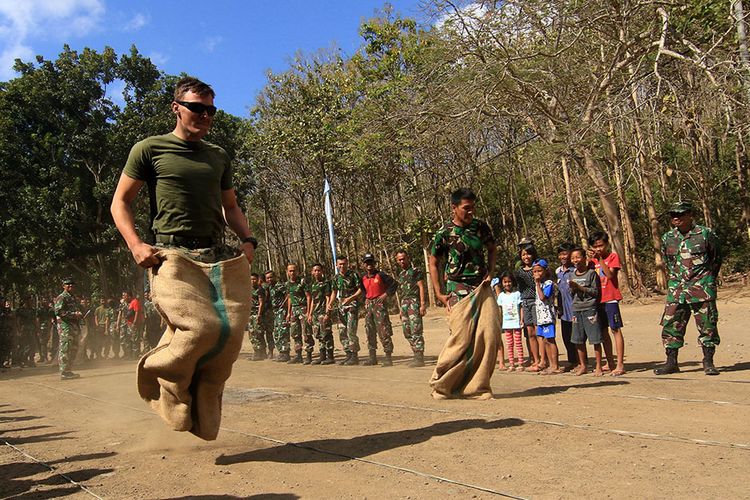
[411,324]
[323,331]
[43,338]
[675,319]
[378,325]
[349,317]
[280,331]
[260,333]
[26,344]
[70,335]
[130,339]
[457,291]
[299,330]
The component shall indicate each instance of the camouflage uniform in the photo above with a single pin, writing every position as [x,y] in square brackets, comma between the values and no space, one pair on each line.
[69,326]
[46,318]
[321,327]
[345,286]
[5,333]
[254,327]
[299,330]
[693,261]
[266,320]
[411,320]
[110,338]
[377,321]
[26,340]
[277,295]
[463,249]
[152,324]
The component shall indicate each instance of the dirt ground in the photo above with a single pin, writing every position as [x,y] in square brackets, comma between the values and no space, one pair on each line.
[372,432]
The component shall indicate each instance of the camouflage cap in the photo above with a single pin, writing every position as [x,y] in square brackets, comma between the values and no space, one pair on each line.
[368,257]
[680,207]
[68,281]
[525,241]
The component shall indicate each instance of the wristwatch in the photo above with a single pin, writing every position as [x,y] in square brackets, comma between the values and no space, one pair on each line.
[250,240]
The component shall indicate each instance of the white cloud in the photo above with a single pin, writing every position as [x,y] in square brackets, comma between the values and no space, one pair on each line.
[210,43]
[158,58]
[137,22]
[23,20]
[115,91]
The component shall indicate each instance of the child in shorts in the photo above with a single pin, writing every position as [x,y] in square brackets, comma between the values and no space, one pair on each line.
[546,315]
[525,282]
[509,301]
[584,286]
[607,266]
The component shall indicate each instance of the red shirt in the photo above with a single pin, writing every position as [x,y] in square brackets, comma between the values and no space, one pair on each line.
[610,288]
[374,286]
[135,306]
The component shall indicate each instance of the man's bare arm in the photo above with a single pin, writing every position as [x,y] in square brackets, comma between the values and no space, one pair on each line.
[122,213]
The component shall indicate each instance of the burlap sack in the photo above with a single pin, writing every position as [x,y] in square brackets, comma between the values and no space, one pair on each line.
[206,308]
[467,361]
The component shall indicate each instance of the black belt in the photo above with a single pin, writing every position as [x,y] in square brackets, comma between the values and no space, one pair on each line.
[191,242]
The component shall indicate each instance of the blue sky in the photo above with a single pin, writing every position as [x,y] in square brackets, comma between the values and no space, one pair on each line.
[229,44]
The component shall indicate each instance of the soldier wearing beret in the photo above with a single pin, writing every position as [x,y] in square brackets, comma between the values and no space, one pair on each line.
[693,259]
[69,324]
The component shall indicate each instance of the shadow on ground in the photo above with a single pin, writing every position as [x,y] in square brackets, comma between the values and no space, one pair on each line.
[556,389]
[341,450]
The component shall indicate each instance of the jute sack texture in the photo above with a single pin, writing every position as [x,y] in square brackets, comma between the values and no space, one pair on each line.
[467,361]
[206,308]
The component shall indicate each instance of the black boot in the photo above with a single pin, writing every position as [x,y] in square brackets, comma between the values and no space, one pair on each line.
[708,361]
[387,361]
[320,359]
[372,360]
[353,360]
[329,358]
[308,358]
[347,358]
[296,359]
[418,360]
[671,364]
[282,357]
[258,355]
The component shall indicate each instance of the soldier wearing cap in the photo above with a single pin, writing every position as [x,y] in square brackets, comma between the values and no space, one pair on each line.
[693,259]
[69,325]
[347,286]
[378,287]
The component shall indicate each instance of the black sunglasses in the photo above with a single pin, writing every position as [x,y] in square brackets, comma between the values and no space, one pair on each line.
[197,107]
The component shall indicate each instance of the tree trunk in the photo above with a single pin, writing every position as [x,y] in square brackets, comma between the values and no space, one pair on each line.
[572,208]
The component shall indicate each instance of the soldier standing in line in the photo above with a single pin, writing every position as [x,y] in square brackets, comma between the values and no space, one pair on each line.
[101,324]
[319,314]
[266,316]
[297,315]
[45,314]
[69,324]
[378,287]
[152,325]
[279,299]
[27,327]
[411,293]
[693,259]
[462,243]
[90,342]
[5,332]
[257,310]
[348,287]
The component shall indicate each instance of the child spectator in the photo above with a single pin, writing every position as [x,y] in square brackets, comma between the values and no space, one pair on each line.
[607,265]
[509,301]
[527,289]
[546,316]
[584,286]
[565,302]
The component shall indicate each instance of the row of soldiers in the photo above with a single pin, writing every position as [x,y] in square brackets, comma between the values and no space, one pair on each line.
[71,329]
[294,313]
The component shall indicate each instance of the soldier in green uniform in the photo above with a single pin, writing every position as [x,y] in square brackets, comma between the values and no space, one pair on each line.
[101,319]
[348,287]
[278,297]
[411,293]
[462,243]
[297,315]
[693,259]
[5,332]
[69,324]
[266,316]
[27,327]
[319,314]
[45,314]
[153,324]
[255,331]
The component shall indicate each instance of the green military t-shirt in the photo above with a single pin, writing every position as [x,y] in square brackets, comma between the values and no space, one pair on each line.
[320,291]
[185,180]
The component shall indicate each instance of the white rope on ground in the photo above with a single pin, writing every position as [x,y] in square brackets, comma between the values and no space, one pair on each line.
[54,470]
[277,441]
[646,435]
